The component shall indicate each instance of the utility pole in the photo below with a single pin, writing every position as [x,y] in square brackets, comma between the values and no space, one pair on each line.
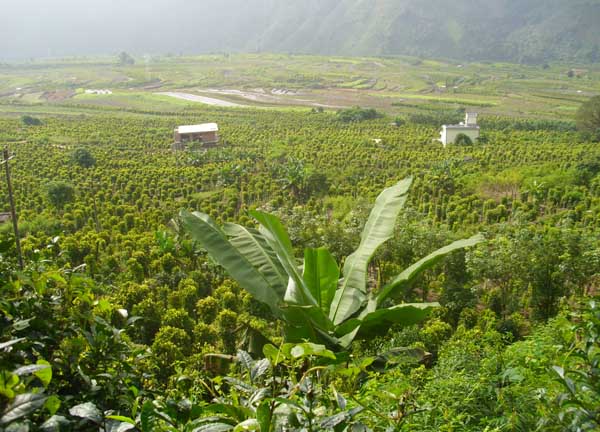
[13,210]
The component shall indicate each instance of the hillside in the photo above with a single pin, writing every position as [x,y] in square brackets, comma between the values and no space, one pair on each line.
[523,31]
[529,31]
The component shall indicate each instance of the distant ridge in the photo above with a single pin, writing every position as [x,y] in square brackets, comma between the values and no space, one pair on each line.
[527,31]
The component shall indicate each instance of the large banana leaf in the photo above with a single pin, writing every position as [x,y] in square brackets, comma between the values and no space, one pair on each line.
[202,229]
[297,291]
[321,274]
[379,228]
[407,276]
[250,243]
[378,322]
[308,323]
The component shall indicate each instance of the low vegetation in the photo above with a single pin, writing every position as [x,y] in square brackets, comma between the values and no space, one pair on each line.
[162,293]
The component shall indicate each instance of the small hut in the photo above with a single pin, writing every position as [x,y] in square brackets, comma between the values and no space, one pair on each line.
[206,134]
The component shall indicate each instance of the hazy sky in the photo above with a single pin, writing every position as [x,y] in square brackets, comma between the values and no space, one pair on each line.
[499,29]
[34,28]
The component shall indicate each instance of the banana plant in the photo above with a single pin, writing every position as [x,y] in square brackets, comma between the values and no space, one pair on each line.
[318,302]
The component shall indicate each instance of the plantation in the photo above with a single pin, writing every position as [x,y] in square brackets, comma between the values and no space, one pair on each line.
[133,313]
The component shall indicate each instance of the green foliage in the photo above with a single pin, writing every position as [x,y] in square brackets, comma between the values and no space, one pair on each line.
[311,301]
[463,140]
[357,114]
[60,193]
[588,118]
[146,329]
[580,375]
[82,157]
[58,352]
[28,120]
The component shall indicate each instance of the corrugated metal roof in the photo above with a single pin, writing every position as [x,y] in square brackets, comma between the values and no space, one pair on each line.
[205,127]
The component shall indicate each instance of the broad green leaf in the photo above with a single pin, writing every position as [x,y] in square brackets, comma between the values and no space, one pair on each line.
[87,411]
[21,406]
[52,404]
[121,419]
[307,323]
[8,381]
[257,251]
[117,426]
[310,349]
[407,276]
[236,412]
[260,368]
[271,228]
[379,228]
[29,369]
[298,326]
[321,274]
[264,415]
[44,374]
[247,425]
[54,424]
[245,360]
[146,415]
[379,322]
[5,345]
[203,229]
[273,354]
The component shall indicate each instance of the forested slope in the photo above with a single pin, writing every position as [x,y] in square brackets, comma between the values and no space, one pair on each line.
[523,31]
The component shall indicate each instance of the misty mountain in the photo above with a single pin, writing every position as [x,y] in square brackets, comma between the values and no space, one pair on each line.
[514,30]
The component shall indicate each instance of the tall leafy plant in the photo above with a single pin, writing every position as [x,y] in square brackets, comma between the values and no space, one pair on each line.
[316,300]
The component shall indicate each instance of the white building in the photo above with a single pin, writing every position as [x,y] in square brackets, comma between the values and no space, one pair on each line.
[469,128]
[98,92]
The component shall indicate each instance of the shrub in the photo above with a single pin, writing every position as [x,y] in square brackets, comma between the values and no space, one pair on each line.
[588,119]
[30,121]
[357,114]
[83,158]
[463,140]
[60,193]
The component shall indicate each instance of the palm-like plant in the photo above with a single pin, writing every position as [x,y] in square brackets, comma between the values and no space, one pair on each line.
[316,302]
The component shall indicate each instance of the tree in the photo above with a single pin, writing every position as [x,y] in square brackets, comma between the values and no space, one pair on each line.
[125,59]
[358,114]
[30,121]
[317,301]
[588,118]
[83,158]
[463,140]
[60,193]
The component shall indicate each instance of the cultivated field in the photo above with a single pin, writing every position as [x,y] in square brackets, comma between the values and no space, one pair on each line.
[395,85]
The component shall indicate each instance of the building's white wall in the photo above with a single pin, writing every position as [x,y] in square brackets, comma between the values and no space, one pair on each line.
[471,119]
[452,133]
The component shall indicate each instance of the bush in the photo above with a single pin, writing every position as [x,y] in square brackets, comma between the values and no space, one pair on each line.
[357,114]
[588,119]
[83,158]
[60,193]
[30,121]
[463,140]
